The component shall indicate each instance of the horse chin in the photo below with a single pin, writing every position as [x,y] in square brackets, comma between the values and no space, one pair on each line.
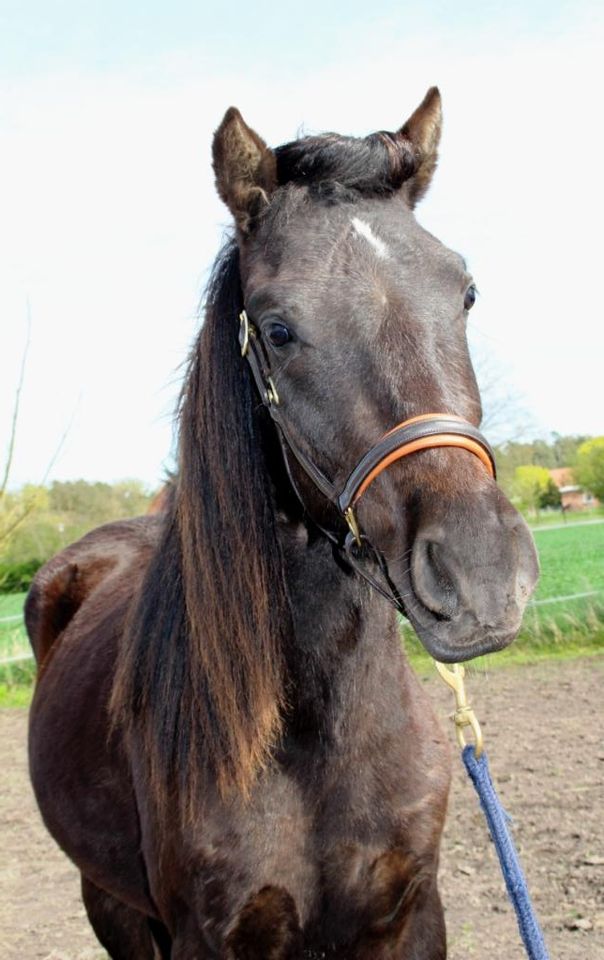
[446,650]
[459,638]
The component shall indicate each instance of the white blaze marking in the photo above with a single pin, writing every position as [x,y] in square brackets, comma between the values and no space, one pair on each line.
[364,230]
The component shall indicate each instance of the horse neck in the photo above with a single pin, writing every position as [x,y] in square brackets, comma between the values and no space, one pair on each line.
[345,640]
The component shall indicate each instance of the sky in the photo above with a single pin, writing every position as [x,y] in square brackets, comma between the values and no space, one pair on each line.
[109,220]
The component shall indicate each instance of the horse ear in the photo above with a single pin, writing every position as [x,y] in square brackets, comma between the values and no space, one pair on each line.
[245,168]
[422,130]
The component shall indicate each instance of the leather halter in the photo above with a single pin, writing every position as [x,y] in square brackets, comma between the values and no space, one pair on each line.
[423,432]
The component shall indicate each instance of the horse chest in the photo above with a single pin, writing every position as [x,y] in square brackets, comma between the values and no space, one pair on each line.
[338,868]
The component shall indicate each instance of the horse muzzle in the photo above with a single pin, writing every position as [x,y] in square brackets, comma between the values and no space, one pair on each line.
[469,573]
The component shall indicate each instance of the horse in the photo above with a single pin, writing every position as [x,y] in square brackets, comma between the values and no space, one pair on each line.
[226,736]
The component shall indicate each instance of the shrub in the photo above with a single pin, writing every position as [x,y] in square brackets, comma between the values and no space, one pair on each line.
[17,577]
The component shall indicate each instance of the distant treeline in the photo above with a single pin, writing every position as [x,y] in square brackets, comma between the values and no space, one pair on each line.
[558,452]
[36,522]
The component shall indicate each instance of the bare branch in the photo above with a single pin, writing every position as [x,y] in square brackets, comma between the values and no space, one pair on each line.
[12,526]
[505,417]
[59,446]
[15,419]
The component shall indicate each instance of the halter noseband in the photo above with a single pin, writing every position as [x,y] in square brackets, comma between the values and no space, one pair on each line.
[424,432]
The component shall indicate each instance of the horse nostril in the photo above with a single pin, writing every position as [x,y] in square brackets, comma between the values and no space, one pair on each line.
[432,582]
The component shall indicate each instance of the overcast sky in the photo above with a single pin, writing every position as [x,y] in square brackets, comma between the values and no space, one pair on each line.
[109,220]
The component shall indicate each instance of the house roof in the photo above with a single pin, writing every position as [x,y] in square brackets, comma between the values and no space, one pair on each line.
[563,477]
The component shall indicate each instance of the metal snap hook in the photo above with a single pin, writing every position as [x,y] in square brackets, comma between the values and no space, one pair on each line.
[464,715]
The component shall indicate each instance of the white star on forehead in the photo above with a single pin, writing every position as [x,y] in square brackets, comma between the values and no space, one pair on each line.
[364,230]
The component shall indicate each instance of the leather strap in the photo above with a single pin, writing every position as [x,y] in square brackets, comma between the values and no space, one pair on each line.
[419,433]
[253,350]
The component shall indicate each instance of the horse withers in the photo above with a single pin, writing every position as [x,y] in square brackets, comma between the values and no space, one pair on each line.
[226,737]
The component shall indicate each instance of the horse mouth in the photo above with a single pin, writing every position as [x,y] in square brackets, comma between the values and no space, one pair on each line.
[458,635]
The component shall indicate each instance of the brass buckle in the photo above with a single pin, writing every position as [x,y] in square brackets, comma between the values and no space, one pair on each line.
[271,392]
[353,526]
[464,715]
[245,332]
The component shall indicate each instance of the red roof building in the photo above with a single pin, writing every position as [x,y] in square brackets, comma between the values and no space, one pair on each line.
[573,496]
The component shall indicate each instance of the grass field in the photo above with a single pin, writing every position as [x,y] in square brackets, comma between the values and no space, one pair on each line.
[15,677]
[549,518]
[572,562]
[13,640]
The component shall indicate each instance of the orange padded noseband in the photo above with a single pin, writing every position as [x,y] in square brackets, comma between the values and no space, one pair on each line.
[424,432]
[426,443]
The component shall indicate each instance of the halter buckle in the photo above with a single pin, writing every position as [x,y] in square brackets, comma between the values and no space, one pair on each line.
[245,332]
[353,525]
[271,392]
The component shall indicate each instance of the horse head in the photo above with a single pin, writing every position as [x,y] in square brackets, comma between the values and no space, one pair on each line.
[360,317]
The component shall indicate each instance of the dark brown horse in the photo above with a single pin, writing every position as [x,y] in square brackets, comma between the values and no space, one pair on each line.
[226,737]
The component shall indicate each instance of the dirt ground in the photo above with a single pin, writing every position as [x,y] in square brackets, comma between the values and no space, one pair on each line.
[543,731]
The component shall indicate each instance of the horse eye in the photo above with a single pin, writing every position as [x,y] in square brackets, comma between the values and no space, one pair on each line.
[470,298]
[278,334]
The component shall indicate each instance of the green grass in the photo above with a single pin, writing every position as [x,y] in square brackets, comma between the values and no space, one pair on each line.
[555,517]
[572,560]
[13,638]
[16,694]
[15,678]
[11,603]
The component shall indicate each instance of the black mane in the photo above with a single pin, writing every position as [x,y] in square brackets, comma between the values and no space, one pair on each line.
[201,673]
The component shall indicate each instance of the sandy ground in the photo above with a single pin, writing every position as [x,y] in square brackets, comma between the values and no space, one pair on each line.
[543,729]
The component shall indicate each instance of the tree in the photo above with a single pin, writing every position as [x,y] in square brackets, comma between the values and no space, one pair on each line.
[81,498]
[550,496]
[529,485]
[131,498]
[589,469]
[51,518]
[504,416]
[566,448]
[560,451]
[99,502]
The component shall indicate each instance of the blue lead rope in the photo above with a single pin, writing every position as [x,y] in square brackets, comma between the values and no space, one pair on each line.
[515,881]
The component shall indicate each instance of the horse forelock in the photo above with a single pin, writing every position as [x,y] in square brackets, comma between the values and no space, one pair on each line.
[376,165]
[201,679]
